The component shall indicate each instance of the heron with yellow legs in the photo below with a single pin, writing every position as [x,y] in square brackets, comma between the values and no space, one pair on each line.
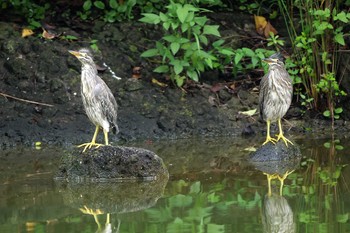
[275,97]
[99,103]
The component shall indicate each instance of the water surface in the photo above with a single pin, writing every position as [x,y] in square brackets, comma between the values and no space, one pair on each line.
[212,188]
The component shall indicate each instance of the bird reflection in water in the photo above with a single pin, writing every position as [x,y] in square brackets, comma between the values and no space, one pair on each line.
[107,228]
[277,215]
[281,178]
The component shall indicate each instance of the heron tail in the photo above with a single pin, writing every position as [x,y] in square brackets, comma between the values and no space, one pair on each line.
[115,129]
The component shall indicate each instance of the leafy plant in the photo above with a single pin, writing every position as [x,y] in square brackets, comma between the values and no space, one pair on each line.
[316,50]
[181,48]
[32,12]
[275,41]
[113,11]
[246,59]
[93,45]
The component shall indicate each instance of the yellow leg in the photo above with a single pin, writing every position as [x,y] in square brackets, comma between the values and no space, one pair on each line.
[269,178]
[88,145]
[92,212]
[281,136]
[268,137]
[108,219]
[106,137]
[281,179]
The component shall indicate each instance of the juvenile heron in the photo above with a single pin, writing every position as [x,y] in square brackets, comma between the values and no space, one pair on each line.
[99,103]
[275,97]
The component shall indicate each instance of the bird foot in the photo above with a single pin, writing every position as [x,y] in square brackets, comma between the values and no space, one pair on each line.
[88,145]
[89,211]
[282,178]
[270,139]
[286,141]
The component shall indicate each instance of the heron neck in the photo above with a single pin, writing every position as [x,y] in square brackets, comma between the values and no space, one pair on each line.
[88,76]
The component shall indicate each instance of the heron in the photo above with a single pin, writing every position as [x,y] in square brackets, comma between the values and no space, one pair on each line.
[275,97]
[99,103]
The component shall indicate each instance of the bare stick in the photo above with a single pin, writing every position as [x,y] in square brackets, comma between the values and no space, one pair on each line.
[27,101]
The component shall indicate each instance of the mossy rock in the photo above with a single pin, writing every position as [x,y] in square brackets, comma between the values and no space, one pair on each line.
[111,162]
[276,158]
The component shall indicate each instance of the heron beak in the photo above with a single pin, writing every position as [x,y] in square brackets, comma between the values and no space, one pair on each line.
[75,53]
[269,60]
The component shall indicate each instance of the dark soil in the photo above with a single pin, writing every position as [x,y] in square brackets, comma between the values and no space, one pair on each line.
[42,70]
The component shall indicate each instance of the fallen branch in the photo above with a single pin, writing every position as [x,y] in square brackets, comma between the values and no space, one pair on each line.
[23,100]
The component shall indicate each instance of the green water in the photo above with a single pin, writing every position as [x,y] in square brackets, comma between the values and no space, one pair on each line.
[211,189]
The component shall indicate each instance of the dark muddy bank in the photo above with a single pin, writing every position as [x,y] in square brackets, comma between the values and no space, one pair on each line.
[42,70]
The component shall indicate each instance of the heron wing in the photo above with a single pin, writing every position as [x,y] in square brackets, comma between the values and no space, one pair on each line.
[262,94]
[108,104]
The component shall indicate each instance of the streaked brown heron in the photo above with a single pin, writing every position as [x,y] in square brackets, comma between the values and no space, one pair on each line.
[275,97]
[99,103]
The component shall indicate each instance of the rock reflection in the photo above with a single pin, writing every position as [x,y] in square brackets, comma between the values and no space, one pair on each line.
[104,199]
[277,215]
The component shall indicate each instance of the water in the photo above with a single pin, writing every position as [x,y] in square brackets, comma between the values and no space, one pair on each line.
[211,189]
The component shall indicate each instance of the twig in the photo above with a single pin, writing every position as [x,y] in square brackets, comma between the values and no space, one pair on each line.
[27,101]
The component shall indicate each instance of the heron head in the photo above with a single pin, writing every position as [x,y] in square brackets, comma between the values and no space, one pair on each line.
[84,55]
[276,58]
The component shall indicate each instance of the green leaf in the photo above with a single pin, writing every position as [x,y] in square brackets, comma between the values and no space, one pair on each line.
[182,13]
[180,80]
[178,68]
[150,18]
[209,63]
[339,38]
[99,5]
[189,18]
[339,147]
[185,27]
[70,37]
[201,20]
[338,110]
[166,25]
[195,187]
[203,39]
[192,74]
[87,5]
[238,58]
[180,200]
[170,38]
[327,113]
[226,51]
[342,16]
[327,145]
[211,30]
[248,52]
[255,61]
[343,218]
[163,17]
[162,69]
[218,43]
[113,4]
[174,47]
[150,53]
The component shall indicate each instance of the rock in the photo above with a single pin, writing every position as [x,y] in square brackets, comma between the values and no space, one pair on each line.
[276,159]
[275,152]
[133,84]
[111,162]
